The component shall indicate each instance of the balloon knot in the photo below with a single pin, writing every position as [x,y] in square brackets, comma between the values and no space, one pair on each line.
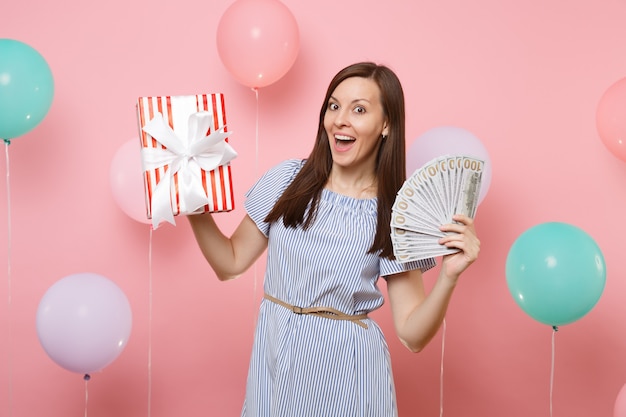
[555,328]
[87,377]
[7,141]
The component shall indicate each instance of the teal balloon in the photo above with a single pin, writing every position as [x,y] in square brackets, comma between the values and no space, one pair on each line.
[26,88]
[556,273]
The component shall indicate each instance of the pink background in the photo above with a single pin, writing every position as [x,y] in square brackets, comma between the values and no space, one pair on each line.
[525,77]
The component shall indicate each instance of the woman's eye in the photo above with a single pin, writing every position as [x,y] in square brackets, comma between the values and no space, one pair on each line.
[333,106]
[359,109]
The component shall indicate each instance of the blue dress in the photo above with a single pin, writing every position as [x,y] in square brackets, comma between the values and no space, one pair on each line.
[311,366]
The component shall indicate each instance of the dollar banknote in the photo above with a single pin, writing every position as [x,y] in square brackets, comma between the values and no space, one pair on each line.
[429,197]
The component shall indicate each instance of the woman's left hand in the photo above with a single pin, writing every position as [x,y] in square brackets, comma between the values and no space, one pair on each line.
[461,235]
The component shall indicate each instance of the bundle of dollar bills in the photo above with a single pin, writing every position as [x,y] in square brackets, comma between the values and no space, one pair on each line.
[444,186]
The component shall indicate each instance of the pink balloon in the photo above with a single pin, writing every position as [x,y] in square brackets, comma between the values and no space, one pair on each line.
[126,178]
[619,409]
[449,140]
[610,120]
[84,322]
[257,41]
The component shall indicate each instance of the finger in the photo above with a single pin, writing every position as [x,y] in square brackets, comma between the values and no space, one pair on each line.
[458,228]
[451,239]
[453,227]
[468,250]
[462,218]
[461,241]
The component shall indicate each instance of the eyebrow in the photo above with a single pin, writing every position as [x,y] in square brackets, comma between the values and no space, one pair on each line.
[353,101]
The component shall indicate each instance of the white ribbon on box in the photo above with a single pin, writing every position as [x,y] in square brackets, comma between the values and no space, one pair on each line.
[184,156]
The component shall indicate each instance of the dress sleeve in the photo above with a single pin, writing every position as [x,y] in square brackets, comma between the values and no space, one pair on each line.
[388,267]
[262,196]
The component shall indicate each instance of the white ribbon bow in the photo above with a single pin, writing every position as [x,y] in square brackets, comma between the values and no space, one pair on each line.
[184,156]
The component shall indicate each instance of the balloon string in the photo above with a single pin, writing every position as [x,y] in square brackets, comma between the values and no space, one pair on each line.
[9,284]
[86,378]
[256,168]
[150,322]
[443,345]
[256,132]
[554,330]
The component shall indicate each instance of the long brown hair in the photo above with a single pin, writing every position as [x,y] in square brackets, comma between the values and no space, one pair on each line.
[307,186]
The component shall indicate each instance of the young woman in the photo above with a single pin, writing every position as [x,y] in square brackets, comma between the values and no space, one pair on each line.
[325,222]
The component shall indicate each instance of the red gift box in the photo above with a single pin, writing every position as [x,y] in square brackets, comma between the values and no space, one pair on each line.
[185,155]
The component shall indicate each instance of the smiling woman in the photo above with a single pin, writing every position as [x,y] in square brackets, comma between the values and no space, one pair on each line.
[325,224]
[356,125]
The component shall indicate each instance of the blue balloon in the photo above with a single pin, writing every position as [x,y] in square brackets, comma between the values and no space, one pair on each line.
[26,88]
[556,273]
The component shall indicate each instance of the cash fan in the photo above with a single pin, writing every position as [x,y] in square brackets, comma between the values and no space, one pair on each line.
[442,187]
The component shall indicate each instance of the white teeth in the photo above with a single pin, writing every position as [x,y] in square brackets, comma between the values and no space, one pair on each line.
[342,137]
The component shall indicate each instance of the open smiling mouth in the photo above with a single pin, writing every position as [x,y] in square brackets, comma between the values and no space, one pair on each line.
[342,140]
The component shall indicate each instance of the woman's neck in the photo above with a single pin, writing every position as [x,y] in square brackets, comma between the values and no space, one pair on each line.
[353,184]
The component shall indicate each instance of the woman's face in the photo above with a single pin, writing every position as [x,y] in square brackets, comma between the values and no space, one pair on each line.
[354,122]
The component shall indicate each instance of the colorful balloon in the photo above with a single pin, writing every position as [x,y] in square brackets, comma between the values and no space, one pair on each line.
[258,41]
[449,140]
[610,120]
[26,88]
[555,273]
[126,179]
[84,322]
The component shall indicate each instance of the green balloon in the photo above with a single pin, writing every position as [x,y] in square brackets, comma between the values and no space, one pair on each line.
[26,88]
[556,273]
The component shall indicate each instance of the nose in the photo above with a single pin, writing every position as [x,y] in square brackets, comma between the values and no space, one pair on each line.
[341,118]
